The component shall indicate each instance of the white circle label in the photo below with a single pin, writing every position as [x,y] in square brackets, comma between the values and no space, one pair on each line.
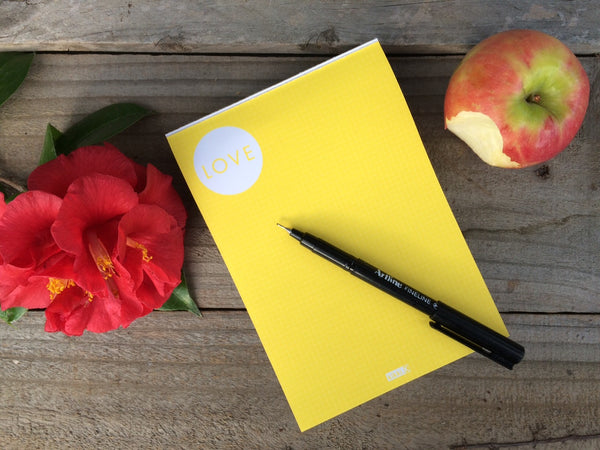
[228,160]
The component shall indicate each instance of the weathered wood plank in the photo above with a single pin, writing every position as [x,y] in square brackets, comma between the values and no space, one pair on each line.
[172,380]
[534,237]
[287,26]
[175,381]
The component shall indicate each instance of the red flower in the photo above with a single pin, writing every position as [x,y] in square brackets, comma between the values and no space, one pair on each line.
[2,207]
[105,241]
[28,251]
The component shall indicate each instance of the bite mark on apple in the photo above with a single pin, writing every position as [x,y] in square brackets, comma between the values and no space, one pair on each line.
[481,133]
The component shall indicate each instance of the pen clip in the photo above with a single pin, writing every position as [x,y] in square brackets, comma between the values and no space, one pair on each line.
[476,336]
[472,345]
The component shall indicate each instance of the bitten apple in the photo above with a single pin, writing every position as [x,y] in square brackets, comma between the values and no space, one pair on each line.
[517,99]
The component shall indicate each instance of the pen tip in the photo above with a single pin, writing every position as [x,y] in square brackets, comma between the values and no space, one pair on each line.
[286,229]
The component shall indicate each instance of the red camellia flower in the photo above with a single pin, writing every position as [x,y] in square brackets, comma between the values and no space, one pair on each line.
[2,206]
[97,241]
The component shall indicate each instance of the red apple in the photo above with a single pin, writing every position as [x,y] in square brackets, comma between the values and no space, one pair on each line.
[517,99]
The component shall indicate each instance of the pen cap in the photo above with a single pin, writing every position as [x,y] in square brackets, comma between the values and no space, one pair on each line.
[476,336]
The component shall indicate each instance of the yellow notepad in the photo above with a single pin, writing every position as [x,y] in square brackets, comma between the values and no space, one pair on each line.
[334,152]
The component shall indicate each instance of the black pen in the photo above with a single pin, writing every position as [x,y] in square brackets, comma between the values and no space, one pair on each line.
[445,319]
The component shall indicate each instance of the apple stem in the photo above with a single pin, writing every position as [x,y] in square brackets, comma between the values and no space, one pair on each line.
[534,98]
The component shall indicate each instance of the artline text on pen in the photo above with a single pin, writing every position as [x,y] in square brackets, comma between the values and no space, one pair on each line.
[400,285]
[418,295]
[389,279]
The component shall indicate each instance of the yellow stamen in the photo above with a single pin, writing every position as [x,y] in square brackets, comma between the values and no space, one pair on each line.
[57,285]
[134,244]
[100,255]
[103,262]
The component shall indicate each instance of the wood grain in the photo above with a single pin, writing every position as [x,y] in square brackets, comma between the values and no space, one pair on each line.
[533,234]
[261,26]
[172,380]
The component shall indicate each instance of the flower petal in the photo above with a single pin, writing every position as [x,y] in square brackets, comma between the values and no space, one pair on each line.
[57,175]
[93,204]
[2,204]
[159,191]
[75,310]
[20,287]
[30,287]
[151,238]
[140,171]
[25,238]
[133,305]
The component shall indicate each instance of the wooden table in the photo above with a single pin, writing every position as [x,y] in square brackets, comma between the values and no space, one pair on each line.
[172,380]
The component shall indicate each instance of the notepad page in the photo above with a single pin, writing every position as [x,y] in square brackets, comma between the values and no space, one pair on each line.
[340,157]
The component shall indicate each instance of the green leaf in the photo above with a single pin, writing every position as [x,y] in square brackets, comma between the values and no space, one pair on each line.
[100,126]
[181,300]
[13,70]
[49,150]
[12,314]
